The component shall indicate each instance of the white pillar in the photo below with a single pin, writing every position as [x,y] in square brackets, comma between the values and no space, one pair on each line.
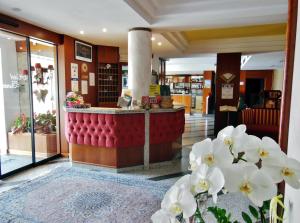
[139,61]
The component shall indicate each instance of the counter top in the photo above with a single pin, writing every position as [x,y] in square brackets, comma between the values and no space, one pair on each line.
[101,110]
[182,94]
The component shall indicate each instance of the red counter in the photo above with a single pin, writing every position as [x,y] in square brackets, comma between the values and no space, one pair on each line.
[117,138]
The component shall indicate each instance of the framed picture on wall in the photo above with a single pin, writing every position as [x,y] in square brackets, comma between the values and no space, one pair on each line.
[83,51]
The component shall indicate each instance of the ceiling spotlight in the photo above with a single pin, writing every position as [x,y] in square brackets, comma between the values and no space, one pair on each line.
[159,43]
[152,38]
[81,32]
[104,30]
[8,38]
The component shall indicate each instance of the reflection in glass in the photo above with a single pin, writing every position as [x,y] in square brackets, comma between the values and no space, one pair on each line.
[15,143]
[44,82]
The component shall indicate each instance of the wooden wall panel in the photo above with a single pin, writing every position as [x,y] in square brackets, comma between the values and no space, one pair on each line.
[69,57]
[26,29]
[108,54]
[267,75]
[226,63]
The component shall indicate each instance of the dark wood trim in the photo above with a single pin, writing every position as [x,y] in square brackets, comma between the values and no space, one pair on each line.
[19,27]
[9,21]
[288,81]
[140,29]
[288,74]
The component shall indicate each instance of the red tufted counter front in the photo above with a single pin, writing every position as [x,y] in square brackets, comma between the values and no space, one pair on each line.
[117,138]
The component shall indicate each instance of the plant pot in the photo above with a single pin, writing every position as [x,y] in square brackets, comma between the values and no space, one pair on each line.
[45,144]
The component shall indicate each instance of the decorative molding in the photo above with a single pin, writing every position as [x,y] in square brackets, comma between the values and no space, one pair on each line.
[177,39]
[245,45]
[141,10]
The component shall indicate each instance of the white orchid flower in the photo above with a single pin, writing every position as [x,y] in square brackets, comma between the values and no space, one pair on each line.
[184,182]
[207,179]
[287,169]
[233,138]
[250,181]
[179,200]
[162,216]
[212,153]
[264,149]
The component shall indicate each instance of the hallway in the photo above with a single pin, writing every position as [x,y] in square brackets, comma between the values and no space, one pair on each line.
[197,128]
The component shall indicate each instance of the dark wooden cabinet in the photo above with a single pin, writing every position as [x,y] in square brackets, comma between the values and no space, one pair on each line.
[109,76]
[108,54]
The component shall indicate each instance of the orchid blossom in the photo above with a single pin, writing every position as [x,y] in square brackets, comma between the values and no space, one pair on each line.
[215,166]
[207,179]
[179,200]
[162,216]
[287,169]
[265,149]
[212,153]
[233,138]
[250,181]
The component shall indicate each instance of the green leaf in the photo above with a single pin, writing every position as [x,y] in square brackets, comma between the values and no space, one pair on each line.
[266,205]
[253,211]
[246,217]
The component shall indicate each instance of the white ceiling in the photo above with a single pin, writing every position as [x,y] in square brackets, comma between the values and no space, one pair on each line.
[166,18]
[186,14]
[196,65]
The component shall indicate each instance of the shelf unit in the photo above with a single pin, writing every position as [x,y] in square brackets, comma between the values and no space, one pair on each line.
[108,83]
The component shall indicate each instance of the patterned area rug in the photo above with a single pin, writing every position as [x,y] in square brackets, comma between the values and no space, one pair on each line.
[81,195]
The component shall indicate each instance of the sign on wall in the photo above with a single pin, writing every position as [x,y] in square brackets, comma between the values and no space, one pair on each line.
[227,91]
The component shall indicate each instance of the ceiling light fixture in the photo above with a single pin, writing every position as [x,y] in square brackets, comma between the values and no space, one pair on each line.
[159,43]
[81,32]
[152,38]
[104,30]
[8,38]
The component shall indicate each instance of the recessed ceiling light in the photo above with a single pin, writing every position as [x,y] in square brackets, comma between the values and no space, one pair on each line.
[104,30]
[152,38]
[81,32]
[8,38]
[159,43]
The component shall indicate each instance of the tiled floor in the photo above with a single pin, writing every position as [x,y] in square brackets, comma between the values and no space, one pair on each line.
[196,128]
[10,162]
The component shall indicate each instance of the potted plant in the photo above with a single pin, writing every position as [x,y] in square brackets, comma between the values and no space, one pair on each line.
[235,162]
[19,138]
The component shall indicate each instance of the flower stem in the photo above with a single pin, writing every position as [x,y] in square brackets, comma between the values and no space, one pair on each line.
[262,215]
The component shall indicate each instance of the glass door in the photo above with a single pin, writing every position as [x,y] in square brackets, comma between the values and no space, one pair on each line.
[15,99]
[29,130]
[44,94]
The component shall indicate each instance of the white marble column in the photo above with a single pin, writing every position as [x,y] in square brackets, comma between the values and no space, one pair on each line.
[139,61]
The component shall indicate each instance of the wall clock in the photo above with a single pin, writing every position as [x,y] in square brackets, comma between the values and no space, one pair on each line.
[84,68]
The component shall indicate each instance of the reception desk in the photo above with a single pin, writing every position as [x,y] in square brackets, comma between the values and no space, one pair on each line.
[118,138]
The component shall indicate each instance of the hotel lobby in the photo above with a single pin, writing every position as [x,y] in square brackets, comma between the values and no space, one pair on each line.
[161,111]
